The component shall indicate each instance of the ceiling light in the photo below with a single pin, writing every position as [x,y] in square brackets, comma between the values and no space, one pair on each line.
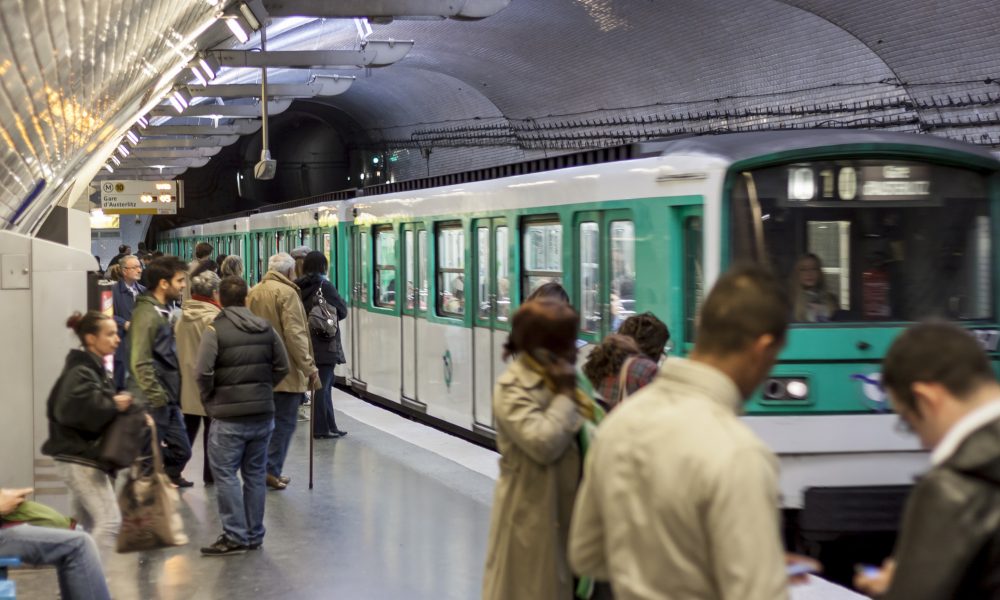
[249,16]
[132,137]
[237,28]
[115,160]
[123,150]
[109,168]
[142,122]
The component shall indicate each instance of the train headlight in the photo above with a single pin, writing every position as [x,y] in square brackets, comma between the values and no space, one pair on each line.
[786,389]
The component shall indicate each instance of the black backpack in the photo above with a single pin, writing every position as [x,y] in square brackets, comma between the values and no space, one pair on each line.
[323,321]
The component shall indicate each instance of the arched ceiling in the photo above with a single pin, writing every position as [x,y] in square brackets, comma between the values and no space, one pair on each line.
[495,82]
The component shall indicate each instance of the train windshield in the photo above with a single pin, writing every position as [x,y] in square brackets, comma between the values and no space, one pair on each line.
[870,240]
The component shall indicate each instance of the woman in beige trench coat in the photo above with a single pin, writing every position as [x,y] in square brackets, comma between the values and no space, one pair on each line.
[538,413]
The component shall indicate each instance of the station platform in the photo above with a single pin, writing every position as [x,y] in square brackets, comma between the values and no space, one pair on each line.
[398,510]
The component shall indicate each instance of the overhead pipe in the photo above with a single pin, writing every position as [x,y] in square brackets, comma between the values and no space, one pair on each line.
[386,9]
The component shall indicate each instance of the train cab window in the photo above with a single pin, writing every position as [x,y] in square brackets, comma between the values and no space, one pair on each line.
[694,279]
[622,237]
[870,240]
[409,263]
[385,267]
[365,256]
[451,271]
[542,255]
[590,277]
[483,283]
[422,270]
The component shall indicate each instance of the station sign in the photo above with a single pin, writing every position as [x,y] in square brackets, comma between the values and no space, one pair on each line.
[123,197]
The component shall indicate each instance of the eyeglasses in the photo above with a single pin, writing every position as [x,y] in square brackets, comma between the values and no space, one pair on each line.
[665,353]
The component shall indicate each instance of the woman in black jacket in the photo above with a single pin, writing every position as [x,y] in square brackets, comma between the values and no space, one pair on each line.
[81,406]
[327,352]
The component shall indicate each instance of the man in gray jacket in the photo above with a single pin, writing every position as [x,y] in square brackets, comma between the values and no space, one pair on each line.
[240,360]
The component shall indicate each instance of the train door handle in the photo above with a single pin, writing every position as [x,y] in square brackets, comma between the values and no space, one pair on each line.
[863,345]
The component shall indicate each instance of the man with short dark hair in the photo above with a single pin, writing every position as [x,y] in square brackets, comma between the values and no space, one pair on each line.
[240,360]
[124,294]
[679,498]
[153,364]
[123,250]
[202,250]
[942,386]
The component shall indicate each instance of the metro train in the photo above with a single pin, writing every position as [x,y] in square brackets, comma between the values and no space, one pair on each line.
[900,227]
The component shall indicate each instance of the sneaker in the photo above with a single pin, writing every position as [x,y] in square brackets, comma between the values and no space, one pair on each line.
[180,482]
[224,547]
[304,412]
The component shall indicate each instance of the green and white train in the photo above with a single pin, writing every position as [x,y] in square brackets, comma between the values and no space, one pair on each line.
[902,226]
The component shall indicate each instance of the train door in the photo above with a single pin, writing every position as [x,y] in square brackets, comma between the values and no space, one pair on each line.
[414,308]
[360,251]
[604,271]
[492,314]
[260,256]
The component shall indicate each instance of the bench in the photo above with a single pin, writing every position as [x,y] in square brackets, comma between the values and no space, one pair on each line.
[8,589]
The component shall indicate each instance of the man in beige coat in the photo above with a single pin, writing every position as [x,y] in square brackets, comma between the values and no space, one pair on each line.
[276,299]
[679,498]
[197,314]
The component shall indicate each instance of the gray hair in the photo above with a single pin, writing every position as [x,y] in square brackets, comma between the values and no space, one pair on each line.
[121,261]
[231,265]
[205,284]
[300,251]
[281,262]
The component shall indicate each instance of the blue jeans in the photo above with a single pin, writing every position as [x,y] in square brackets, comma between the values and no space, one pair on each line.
[324,422]
[73,553]
[172,432]
[286,414]
[233,447]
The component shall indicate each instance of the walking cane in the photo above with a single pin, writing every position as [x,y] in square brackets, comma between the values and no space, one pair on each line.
[312,419]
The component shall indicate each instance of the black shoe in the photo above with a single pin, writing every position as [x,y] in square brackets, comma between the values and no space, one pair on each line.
[180,482]
[224,547]
[339,433]
[255,545]
[324,436]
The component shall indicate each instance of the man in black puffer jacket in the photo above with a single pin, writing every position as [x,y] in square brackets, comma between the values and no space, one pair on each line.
[240,360]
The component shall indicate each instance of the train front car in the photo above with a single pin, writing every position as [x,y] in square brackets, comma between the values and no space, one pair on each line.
[872,232]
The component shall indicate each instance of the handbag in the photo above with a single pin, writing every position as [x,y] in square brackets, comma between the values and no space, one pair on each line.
[123,439]
[623,381]
[148,503]
[323,321]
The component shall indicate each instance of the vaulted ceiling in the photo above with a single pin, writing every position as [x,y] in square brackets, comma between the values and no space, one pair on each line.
[486,81]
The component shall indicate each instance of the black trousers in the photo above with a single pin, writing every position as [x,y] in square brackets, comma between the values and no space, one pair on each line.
[192,423]
[173,439]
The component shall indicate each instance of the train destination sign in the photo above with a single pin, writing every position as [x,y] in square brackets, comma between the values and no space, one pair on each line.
[141,197]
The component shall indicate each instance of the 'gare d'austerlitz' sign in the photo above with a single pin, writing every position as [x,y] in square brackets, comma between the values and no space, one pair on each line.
[141,197]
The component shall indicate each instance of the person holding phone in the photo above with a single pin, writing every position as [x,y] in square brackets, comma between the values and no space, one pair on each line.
[72,553]
[538,410]
[81,406]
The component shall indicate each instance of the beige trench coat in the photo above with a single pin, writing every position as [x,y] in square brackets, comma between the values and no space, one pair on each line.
[276,299]
[196,316]
[533,500]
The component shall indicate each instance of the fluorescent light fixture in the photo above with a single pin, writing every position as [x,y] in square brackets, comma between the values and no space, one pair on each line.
[251,18]
[209,66]
[108,167]
[115,160]
[237,28]
[132,137]
[196,71]
[123,150]
[142,122]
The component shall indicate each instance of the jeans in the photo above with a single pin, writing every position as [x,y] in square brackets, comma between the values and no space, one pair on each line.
[324,422]
[232,447]
[173,436]
[94,503]
[192,423]
[286,414]
[73,553]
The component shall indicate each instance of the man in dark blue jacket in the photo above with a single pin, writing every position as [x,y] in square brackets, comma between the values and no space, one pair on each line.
[124,294]
[240,360]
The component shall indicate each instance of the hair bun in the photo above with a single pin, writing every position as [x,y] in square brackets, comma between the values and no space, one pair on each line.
[73,322]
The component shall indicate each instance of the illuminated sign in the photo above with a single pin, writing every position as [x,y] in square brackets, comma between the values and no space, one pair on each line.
[895,182]
[141,197]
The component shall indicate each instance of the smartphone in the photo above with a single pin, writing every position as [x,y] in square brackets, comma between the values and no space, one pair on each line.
[796,569]
[869,571]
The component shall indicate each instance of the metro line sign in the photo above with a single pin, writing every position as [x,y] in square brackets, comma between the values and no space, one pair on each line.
[141,197]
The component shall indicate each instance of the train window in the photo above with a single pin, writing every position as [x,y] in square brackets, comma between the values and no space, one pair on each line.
[590,277]
[364,254]
[694,281]
[422,270]
[385,267]
[503,272]
[408,265]
[451,271]
[622,236]
[871,240]
[542,255]
[328,251]
[483,261]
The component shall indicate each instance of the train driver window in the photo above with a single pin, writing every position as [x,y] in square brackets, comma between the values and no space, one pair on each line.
[622,272]
[542,255]
[422,270]
[385,267]
[871,240]
[451,270]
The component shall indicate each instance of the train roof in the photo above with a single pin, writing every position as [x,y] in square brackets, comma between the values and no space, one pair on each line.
[735,147]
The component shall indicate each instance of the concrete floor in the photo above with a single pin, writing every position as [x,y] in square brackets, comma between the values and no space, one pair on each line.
[386,519]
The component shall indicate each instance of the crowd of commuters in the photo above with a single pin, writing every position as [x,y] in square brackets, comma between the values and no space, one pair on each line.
[633,480]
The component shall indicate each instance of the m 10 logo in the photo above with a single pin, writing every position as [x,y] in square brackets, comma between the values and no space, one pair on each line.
[989,339]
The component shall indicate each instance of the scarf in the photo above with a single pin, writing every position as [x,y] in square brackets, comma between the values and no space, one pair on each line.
[584,401]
